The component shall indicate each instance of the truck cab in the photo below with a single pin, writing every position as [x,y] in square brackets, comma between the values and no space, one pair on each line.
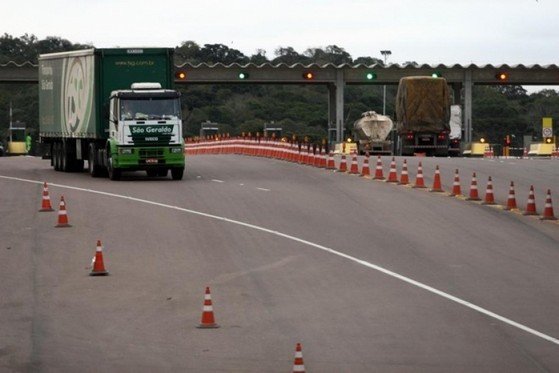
[145,131]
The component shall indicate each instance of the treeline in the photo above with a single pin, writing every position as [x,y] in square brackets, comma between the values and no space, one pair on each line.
[298,109]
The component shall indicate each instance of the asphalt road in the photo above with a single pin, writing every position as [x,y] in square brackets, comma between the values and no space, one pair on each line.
[368,276]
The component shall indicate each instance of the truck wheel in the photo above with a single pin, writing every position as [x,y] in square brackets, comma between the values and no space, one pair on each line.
[94,167]
[114,173]
[177,173]
[56,155]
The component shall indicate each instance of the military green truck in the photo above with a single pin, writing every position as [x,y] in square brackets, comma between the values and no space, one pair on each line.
[114,108]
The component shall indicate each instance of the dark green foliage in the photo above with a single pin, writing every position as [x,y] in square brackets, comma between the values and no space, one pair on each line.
[300,110]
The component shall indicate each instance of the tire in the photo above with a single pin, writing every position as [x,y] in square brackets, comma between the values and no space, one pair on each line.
[177,173]
[114,173]
[94,167]
[56,156]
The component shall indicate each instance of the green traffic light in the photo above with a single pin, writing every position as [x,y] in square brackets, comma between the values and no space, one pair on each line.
[243,75]
[371,76]
[436,74]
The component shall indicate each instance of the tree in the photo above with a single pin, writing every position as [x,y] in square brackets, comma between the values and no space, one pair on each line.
[289,56]
[188,51]
[219,53]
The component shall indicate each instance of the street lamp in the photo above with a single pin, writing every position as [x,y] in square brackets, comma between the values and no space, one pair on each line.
[385,53]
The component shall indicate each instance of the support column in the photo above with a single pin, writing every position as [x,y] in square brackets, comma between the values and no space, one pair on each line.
[468,106]
[340,105]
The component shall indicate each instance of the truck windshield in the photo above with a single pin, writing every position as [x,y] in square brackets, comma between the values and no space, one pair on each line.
[150,108]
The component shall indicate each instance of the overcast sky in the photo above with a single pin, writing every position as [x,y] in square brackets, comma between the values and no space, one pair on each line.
[425,31]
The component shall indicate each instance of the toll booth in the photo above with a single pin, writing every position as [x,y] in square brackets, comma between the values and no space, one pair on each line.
[208,128]
[16,139]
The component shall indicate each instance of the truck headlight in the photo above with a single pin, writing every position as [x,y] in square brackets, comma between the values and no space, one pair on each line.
[176,150]
[126,151]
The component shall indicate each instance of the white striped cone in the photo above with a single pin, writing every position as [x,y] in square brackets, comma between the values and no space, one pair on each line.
[298,364]
[208,320]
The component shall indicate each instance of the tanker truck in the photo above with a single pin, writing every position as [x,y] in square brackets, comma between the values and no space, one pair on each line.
[422,116]
[114,108]
[371,132]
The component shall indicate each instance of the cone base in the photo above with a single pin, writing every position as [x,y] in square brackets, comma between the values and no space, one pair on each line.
[436,190]
[99,273]
[208,326]
[548,218]
[473,199]
[488,203]
[529,213]
[62,226]
[45,210]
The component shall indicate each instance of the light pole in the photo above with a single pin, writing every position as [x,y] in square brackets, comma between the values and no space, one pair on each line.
[385,53]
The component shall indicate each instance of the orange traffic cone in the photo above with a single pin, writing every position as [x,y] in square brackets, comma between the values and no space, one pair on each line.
[456,190]
[511,201]
[62,215]
[474,196]
[404,179]
[98,262]
[392,175]
[531,205]
[343,164]
[323,161]
[548,211]
[298,363]
[45,204]
[354,168]
[331,164]
[419,183]
[379,175]
[208,321]
[365,171]
[489,198]
[437,187]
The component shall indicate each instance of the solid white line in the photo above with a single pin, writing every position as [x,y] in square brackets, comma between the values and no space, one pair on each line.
[264,189]
[218,181]
[323,248]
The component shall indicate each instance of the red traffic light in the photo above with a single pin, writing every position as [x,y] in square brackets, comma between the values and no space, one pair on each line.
[308,75]
[501,76]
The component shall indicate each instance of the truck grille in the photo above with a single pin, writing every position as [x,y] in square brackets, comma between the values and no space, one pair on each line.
[151,153]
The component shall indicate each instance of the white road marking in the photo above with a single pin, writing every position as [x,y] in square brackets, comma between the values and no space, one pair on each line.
[218,181]
[264,189]
[317,246]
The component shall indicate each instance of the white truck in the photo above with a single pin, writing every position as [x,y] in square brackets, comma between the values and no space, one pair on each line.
[372,133]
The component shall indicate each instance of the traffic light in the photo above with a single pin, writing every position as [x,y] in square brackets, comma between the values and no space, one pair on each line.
[502,76]
[436,74]
[507,140]
[548,140]
[180,75]
[308,75]
[243,75]
[371,76]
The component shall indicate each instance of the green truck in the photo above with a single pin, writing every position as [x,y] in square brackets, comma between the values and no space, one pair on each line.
[114,108]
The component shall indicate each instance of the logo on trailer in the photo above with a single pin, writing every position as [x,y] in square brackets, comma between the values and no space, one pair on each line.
[77,95]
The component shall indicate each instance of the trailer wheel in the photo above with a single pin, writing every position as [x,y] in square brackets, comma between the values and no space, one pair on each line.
[56,155]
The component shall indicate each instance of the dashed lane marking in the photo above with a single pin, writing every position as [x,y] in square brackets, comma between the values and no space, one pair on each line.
[364,263]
